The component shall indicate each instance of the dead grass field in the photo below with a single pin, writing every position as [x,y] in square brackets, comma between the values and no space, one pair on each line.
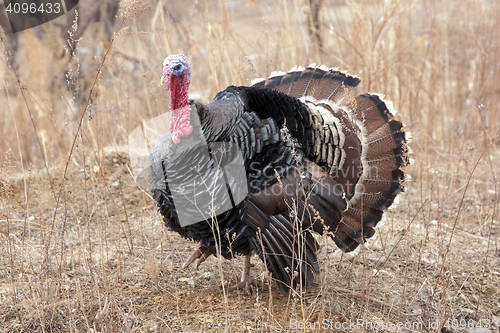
[82,248]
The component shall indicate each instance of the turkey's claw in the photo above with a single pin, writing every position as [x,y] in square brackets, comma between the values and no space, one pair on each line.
[246,284]
[246,280]
[201,254]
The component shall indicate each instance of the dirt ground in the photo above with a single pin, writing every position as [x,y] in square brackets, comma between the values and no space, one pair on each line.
[112,266]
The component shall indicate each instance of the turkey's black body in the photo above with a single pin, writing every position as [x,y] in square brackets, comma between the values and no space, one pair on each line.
[298,166]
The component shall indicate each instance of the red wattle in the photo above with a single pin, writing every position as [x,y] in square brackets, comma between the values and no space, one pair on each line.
[180,121]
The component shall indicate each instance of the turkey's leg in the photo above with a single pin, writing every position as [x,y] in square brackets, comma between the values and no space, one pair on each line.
[201,254]
[246,280]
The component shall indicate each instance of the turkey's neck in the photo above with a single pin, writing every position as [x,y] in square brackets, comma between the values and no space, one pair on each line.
[179,93]
[180,121]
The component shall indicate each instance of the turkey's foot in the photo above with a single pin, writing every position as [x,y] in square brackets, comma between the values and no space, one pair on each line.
[201,254]
[246,280]
[246,285]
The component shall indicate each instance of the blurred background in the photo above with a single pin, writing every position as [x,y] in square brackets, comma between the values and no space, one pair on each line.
[87,251]
[438,61]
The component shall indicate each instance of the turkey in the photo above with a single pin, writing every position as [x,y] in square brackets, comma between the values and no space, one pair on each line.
[263,167]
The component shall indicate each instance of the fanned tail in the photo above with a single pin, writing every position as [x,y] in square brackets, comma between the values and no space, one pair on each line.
[384,153]
[374,149]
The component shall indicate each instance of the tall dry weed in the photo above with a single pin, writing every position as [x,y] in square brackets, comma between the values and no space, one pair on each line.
[101,261]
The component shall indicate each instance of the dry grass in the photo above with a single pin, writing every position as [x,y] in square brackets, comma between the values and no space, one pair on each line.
[102,262]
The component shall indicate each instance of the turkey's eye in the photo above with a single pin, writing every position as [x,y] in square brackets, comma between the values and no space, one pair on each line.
[177,67]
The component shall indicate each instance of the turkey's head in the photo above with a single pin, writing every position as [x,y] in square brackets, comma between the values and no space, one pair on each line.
[176,76]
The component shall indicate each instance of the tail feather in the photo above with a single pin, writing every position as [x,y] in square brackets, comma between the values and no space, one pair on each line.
[372,111]
[389,176]
[355,231]
[306,78]
[382,186]
[361,212]
[340,84]
[389,160]
[388,136]
[318,81]
[377,201]
[343,241]
[287,81]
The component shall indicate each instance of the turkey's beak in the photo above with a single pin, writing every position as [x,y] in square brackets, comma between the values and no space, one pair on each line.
[162,80]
